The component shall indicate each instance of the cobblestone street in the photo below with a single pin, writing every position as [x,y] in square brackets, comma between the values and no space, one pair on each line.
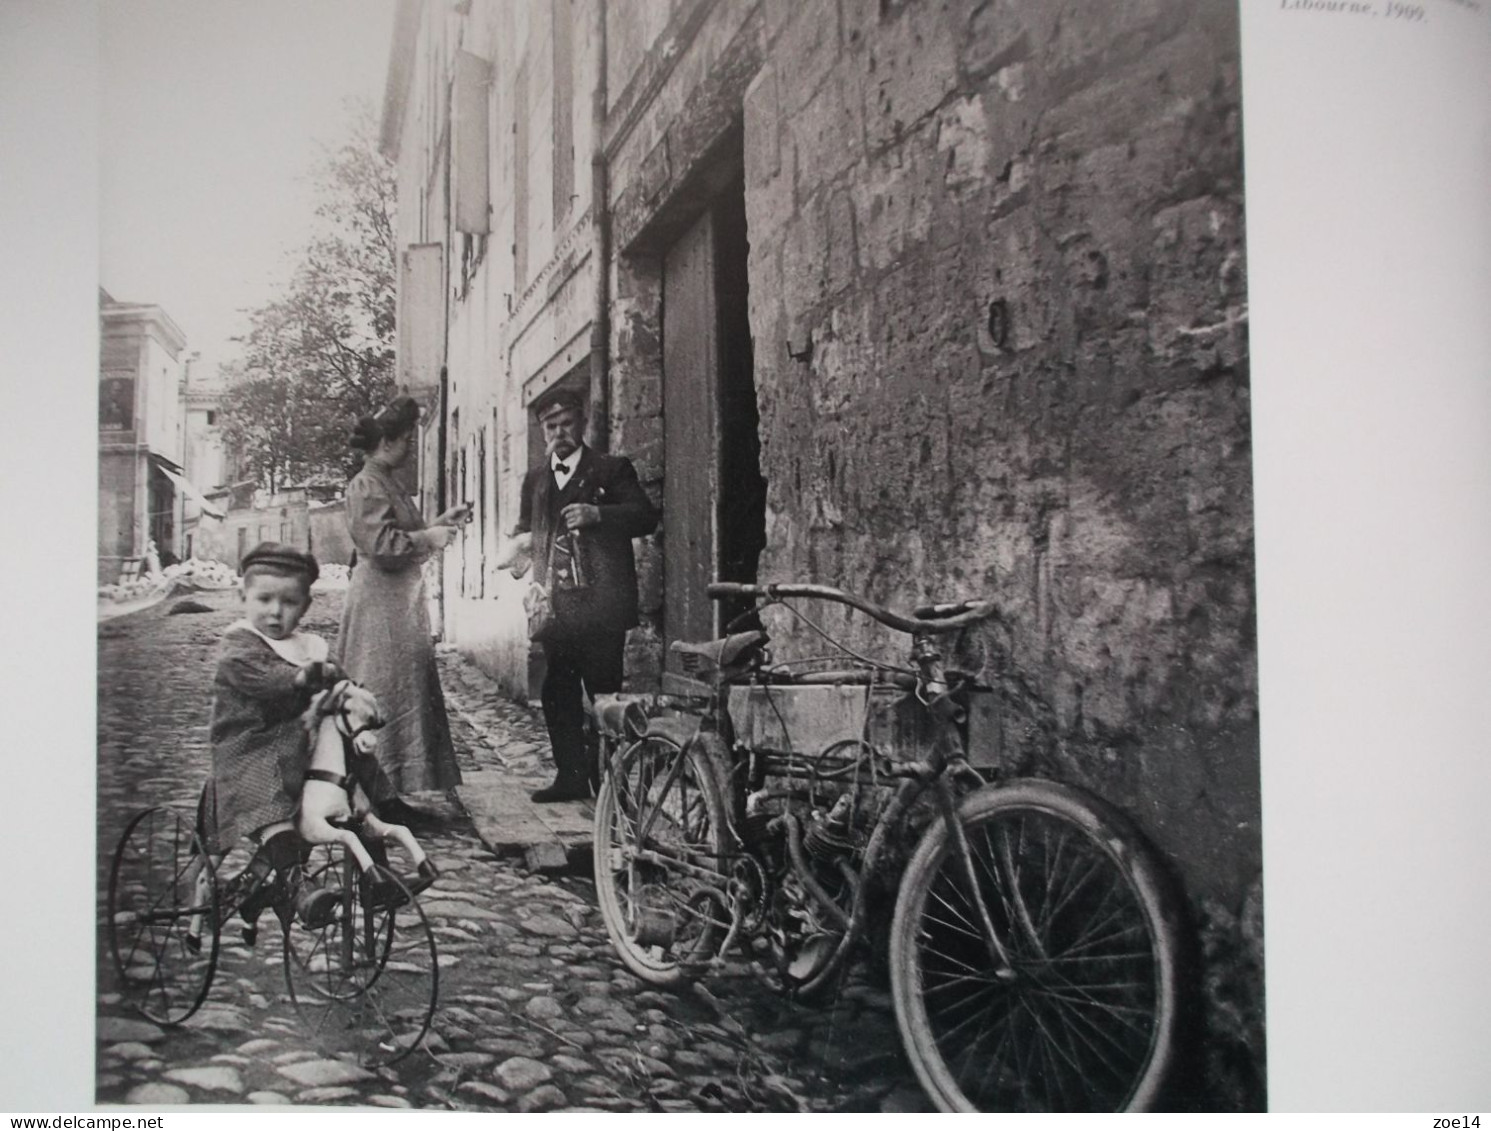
[535,1011]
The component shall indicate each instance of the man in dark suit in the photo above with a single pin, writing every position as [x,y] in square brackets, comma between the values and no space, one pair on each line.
[582,509]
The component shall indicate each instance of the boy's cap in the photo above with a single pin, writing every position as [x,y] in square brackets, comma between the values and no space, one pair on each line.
[278,556]
[557,400]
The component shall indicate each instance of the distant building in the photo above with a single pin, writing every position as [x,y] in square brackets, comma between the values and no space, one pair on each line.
[206,456]
[141,434]
[205,459]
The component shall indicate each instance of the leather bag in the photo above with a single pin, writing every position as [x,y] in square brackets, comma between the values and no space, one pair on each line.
[562,609]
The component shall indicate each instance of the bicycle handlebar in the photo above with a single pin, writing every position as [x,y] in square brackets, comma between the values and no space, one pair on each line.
[928,618]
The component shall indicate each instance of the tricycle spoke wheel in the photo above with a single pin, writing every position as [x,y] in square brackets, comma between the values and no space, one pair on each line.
[364,976]
[163,916]
[1083,1015]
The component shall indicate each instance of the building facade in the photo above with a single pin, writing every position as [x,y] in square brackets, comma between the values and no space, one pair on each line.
[141,434]
[927,299]
[205,460]
[205,456]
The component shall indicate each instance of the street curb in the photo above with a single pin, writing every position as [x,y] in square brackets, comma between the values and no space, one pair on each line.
[553,839]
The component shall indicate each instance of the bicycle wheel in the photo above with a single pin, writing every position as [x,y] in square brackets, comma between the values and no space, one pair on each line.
[1083,1017]
[659,859]
[163,916]
[364,976]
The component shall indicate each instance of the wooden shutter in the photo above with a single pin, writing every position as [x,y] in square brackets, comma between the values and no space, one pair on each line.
[470,158]
[690,434]
[421,337]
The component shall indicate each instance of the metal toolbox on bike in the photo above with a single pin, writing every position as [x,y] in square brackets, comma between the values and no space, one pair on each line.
[808,718]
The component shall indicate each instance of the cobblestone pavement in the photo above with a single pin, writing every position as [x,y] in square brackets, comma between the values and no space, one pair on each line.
[535,1011]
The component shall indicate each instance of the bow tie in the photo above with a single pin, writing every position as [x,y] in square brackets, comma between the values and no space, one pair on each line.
[561,469]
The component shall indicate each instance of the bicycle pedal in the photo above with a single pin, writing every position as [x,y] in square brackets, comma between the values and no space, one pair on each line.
[317,909]
[383,895]
[422,879]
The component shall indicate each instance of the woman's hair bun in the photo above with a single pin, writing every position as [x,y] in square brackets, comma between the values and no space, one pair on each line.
[389,423]
[398,416]
[366,434]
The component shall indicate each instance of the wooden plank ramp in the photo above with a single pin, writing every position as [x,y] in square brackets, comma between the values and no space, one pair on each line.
[550,837]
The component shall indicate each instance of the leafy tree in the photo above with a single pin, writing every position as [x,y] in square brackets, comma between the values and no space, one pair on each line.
[321,354]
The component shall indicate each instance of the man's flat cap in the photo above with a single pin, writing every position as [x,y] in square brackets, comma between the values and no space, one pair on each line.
[552,402]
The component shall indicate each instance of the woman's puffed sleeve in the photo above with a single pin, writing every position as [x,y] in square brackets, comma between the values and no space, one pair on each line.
[373,524]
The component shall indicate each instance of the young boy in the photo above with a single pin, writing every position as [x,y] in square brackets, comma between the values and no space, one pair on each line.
[267,672]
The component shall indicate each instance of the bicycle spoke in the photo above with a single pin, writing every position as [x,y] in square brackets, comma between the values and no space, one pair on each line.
[1009,888]
[1075,1032]
[1070,892]
[971,1047]
[1118,1012]
[948,1033]
[954,981]
[1066,1052]
[1074,1023]
[1000,886]
[969,925]
[997,1062]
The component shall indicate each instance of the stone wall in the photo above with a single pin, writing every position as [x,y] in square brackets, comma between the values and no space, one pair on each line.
[118,474]
[998,301]
[328,535]
[289,523]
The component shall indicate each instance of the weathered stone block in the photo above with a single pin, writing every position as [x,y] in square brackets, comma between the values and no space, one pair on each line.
[655,172]
[1196,288]
[894,198]
[843,256]
[908,67]
[807,51]
[762,127]
[963,140]
[805,258]
[770,161]
[828,131]
[992,35]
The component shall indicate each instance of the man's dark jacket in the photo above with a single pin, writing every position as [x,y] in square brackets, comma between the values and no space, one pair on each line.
[610,484]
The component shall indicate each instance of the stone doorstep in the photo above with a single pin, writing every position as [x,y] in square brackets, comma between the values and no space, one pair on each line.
[549,837]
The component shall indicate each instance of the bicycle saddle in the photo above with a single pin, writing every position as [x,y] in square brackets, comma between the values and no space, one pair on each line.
[724,652]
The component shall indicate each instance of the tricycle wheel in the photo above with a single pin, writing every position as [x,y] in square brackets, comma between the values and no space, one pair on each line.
[163,916]
[360,961]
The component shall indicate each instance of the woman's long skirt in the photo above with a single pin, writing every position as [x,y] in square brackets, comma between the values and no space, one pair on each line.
[385,645]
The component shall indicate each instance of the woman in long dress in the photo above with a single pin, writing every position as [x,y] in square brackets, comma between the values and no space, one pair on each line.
[385,642]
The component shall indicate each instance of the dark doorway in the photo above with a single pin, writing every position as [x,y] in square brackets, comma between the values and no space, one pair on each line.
[714,499]
[162,502]
[742,494]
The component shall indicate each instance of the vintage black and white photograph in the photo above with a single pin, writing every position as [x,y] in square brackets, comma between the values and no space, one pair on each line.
[676,556]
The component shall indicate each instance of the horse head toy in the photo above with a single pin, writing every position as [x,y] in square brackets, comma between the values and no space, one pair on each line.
[344,721]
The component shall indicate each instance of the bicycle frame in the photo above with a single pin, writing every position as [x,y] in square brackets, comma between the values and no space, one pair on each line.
[1035,945]
[942,767]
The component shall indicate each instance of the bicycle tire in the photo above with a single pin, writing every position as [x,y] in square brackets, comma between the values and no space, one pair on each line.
[1085,1015]
[652,913]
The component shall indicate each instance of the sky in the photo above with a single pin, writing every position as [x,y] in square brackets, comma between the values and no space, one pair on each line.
[211,116]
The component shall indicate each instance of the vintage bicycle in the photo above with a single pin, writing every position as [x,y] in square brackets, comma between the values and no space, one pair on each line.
[764,816]
[359,960]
